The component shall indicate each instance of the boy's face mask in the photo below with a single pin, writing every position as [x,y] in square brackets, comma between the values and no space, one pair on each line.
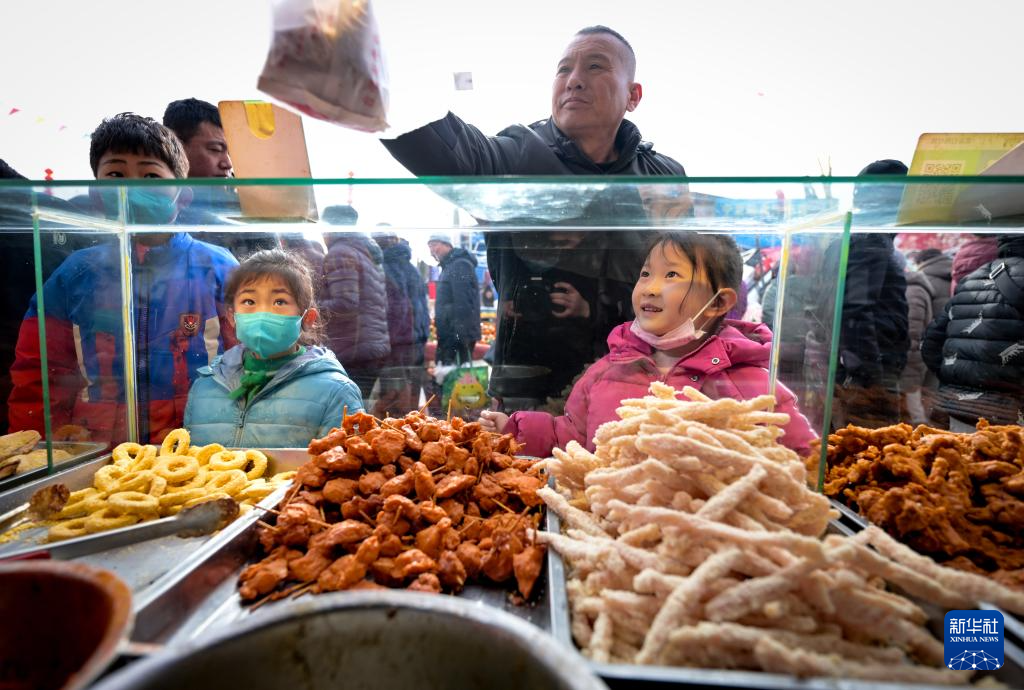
[268,334]
[145,206]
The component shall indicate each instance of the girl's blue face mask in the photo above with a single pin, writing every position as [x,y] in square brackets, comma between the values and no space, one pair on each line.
[145,206]
[268,334]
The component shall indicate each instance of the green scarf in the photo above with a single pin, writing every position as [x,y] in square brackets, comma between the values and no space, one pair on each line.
[256,373]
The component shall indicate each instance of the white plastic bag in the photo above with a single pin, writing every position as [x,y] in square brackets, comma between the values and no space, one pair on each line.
[326,61]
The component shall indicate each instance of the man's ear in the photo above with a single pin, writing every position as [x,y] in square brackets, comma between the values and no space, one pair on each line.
[636,92]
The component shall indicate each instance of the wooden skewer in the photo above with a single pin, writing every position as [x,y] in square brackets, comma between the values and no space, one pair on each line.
[426,404]
[504,506]
[265,524]
[450,401]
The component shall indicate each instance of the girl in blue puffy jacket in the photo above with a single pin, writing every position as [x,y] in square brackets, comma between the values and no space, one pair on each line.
[276,389]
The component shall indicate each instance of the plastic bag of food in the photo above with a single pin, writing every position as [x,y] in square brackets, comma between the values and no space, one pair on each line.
[325,60]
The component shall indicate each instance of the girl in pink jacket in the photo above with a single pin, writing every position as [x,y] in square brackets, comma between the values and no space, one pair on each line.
[680,336]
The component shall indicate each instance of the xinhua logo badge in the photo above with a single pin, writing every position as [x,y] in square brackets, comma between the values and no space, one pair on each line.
[974,640]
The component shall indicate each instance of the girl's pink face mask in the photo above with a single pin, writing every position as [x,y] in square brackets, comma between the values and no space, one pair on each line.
[682,334]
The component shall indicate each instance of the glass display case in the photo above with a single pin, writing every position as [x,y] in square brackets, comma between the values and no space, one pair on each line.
[884,315]
[535,275]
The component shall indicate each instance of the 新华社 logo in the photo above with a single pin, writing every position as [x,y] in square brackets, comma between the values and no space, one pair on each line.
[974,640]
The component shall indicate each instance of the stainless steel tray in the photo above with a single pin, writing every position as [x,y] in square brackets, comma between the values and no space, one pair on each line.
[145,564]
[79,451]
[199,595]
[855,522]
[633,675]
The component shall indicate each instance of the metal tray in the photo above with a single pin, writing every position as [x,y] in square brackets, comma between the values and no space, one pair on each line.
[855,522]
[633,675]
[199,595]
[145,564]
[79,451]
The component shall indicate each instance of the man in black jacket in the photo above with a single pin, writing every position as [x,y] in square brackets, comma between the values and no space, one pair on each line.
[457,307]
[572,284]
[976,345]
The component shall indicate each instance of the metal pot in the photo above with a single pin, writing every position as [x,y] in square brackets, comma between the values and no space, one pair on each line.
[374,639]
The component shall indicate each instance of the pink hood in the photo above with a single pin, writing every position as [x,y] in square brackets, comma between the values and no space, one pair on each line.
[732,363]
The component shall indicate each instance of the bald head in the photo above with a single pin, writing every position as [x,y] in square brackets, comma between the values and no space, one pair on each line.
[626,50]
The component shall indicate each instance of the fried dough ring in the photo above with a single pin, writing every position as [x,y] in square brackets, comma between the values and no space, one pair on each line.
[107,477]
[134,503]
[134,481]
[82,503]
[158,486]
[176,468]
[68,529]
[175,443]
[145,459]
[126,453]
[228,460]
[204,453]
[177,498]
[282,477]
[259,464]
[230,482]
[212,496]
[257,490]
[108,519]
[197,482]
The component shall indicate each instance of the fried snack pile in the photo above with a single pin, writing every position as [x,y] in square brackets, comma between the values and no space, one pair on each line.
[145,482]
[413,502]
[958,498]
[694,540]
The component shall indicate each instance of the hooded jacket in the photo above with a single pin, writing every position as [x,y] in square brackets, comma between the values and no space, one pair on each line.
[457,308]
[973,254]
[927,295]
[730,364]
[354,298]
[976,345]
[450,146]
[304,400]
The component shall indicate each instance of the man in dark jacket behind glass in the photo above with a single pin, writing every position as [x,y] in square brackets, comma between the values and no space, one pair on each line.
[976,345]
[874,334]
[457,307]
[586,134]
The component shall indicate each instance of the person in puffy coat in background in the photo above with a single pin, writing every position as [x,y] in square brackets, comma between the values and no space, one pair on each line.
[973,254]
[277,389]
[355,300]
[408,327]
[927,294]
[457,307]
[976,346]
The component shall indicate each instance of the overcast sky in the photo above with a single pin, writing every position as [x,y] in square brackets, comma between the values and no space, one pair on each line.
[731,87]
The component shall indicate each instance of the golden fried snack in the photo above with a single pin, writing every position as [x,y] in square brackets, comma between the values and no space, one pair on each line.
[176,469]
[955,497]
[144,482]
[175,443]
[405,503]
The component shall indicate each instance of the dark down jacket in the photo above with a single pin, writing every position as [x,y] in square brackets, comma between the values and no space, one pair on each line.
[977,345]
[355,299]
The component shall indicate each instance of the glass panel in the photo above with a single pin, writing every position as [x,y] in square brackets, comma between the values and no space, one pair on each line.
[77,408]
[536,274]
